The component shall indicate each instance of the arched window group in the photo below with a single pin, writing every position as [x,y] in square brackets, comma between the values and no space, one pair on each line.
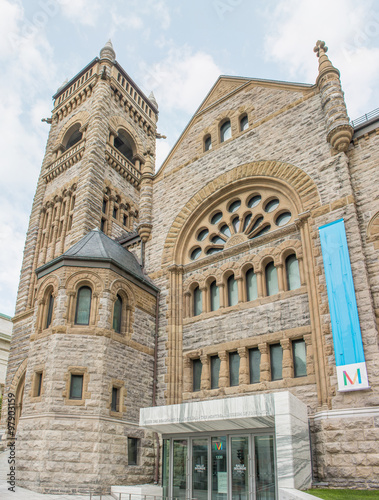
[116,208]
[248,286]
[225,130]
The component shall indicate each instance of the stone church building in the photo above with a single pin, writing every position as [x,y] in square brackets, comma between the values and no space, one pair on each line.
[212,327]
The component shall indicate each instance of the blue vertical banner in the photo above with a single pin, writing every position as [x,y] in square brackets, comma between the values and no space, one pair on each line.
[347,337]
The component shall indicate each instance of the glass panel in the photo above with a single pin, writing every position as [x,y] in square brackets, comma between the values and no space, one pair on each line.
[256,224]
[293,273]
[216,218]
[234,206]
[114,406]
[225,230]
[299,358]
[255,365]
[196,374]
[83,306]
[236,224]
[240,468]
[76,387]
[232,291]
[197,301]
[215,297]
[262,231]
[244,123]
[251,285]
[283,218]
[200,469]
[271,279]
[195,254]
[166,467]
[264,468]
[218,241]
[211,251]
[215,371]
[254,201]
[202,235]
[272,205]
[179,471]
[208,144]
[39,384]
[234,368]
[246,222]
[117,311]
[132,451]
[219,469]
[276,357]
[226,131]
[50,311]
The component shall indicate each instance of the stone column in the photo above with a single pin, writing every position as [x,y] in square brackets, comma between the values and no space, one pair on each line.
[241,295]
[67,200]
[205,373]
[146,198]
[47,231]
[221,292]
[280,272]
[35,257]
[265,363]
[287,364]
[56,226]
[261,292]
[244,377]
[187,305]
[223,380]
[187,375]
[204,300]
[309,350]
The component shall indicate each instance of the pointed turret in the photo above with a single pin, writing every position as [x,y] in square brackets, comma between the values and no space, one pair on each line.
[340,132]
[107,52]
[152,99]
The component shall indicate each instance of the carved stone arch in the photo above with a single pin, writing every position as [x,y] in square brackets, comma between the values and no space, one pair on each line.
[117,122]
[83,278]
[193,281]
[230,268]
[124,290]
[373,228]
[247,262]
[17,389]
[49,285]
[265,256]
[21,370]
[50,281]
[293,181]
[81,117]
[288,247]
[228,114]
[118,285]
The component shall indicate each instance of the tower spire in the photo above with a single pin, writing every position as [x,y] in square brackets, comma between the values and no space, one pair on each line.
[107,52]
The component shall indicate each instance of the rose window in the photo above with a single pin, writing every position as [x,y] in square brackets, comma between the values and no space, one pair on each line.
[240,219]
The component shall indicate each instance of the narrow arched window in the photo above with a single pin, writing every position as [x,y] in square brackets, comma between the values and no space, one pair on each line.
[232,291]
[197,301]
[208,143]
[271,279]
[251,285]
[244,123]
[50,308]
[292,272]
[83,306]
[117,314]
[215,296]
[225,131]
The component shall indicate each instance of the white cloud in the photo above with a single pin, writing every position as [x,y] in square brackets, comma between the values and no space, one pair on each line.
[28,70]
[84,12]
[351,31]
[182,79]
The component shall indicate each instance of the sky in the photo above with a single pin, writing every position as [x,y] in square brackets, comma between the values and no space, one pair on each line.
[175,48]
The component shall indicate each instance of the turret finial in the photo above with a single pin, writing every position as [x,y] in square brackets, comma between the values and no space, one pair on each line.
[320,48]
[152,99]
[107,52]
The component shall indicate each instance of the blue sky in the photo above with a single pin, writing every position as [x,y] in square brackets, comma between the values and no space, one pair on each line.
[173,47]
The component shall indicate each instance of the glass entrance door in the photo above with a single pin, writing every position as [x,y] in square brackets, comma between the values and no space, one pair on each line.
[264,467]
[180,469]
[200,468]
[240,473]
[219,468]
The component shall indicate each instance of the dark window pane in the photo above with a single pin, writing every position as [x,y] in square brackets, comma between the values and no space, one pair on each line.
[115,399]
[197,301]
[196,371]
[76,387]
[276,357]
[50,311]
[234,368]
[215,371]
[226,131]
[132,451]
[299,358]
[255,365]
[215,296]
[104,206]
[244,123]
[208,144]
[117,314]
[75,138]
[232,291]
[38,384]
[115,213]
[83,306]
[102,225]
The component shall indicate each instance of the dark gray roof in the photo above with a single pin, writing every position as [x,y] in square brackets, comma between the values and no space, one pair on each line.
[96,246]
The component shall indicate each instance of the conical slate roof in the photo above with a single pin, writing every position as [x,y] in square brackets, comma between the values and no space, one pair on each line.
[96,246]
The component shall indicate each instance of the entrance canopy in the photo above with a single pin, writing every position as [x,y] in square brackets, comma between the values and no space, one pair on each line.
[280,411]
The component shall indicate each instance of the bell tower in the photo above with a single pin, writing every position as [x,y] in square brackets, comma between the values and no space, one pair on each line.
[82,352]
